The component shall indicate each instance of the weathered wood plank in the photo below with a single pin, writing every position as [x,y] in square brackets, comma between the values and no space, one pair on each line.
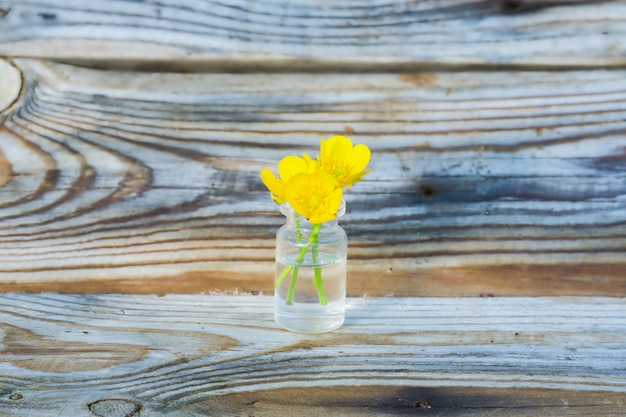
[304,35]
[191,355]
[502,183]
[10,85]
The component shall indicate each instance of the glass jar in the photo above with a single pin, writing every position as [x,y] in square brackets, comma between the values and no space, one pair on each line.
[310,282]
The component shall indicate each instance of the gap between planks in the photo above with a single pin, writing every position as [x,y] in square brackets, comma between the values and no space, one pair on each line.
[306,66]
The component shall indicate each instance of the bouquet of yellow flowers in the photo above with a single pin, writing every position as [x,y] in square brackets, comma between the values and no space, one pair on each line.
[314,190]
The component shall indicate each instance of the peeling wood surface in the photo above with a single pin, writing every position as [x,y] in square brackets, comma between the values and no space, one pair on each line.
[243,35]
[483,183]
[194,355]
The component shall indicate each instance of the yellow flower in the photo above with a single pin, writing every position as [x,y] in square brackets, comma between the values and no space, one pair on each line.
[287,168]
[315,196]
[343,161]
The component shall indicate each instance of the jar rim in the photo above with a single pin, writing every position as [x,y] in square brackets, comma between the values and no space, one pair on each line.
[288,211]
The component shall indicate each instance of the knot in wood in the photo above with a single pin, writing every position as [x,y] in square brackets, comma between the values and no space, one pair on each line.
[421,404]
[512,6]
[426,190]
[114,407]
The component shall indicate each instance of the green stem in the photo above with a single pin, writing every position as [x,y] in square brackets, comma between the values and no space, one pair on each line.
[298,232]
[294,277]
[301,255]
[288,268]
[319,284]
[292,287]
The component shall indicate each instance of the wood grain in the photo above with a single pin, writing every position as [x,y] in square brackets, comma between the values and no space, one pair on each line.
[10,88]
[223,356]
[242,35]
[483,183]
[28,350]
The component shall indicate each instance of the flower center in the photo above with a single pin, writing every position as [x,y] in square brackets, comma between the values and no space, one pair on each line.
[315,201]
[339,172]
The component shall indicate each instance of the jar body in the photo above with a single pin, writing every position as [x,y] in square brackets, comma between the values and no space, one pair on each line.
[310,280]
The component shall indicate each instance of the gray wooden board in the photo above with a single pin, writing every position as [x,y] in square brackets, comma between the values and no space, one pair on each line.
[304,35]
[503,183]
[217,355]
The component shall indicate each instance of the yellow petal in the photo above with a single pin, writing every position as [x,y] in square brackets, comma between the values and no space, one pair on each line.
[276,187]
[311,163]
[338,147]
[290,166]
[353,179]
[360,157]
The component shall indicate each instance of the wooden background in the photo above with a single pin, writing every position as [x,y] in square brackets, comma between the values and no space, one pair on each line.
[132,134]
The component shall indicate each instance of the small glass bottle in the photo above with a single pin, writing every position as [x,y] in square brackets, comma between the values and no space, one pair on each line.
[310,282]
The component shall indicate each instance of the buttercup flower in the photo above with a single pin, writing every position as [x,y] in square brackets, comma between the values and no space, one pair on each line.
[343,161]
[315,196]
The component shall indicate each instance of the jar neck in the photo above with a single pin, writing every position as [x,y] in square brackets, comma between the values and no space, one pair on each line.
[299,223]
